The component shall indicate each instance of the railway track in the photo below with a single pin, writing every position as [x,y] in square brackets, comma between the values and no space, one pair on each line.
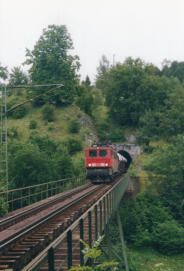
[25,234]
[37,207]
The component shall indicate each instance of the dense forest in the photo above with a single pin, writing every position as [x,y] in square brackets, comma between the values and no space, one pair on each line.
[129,97]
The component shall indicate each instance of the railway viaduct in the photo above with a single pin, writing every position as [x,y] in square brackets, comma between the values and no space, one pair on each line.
[54,239]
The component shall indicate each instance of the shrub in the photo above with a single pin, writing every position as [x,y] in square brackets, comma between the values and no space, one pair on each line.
[116,135]
[18,91]
[35,165]
[18,112]
[73,126]
[73,145]
[51,127]
[32,124]
[110,133]
[13,132]
[93,254]
[79,166]
[63,165]
[44,143]
[3,207]
[48,112]
[169,237]
[140,217]
[85,102]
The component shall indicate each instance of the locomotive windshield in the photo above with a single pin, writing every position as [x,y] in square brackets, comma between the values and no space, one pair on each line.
[103,153]
[92,153]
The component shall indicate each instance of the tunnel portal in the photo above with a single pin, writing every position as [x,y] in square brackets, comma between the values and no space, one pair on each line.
[127,156]
[129,151]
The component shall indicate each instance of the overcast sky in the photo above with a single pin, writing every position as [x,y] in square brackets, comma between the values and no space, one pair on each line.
[150,29]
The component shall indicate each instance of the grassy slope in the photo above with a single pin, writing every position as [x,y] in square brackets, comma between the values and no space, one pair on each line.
[57,130]
[144,259]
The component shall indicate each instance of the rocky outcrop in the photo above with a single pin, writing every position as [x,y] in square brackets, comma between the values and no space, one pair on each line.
[87,123]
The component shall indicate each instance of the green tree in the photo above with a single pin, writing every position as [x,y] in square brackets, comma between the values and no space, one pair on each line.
[32,124]
[168,237]
[148,223]
[3,207]
[3,72]
[3,204]
[73,145]
[35,166]
[140,216]
[57,156]
[63,165]
[165,121]
[173,69]
[41,158]
[44,143]
[103,68]
[85,99]
[87,82]
[74,126]
[3,76]
[48,112]
[17,77]
[132,88]
[166,162]
[18,112]
[51,63]
[166,168]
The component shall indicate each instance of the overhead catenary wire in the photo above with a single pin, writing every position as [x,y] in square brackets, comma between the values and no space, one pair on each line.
[35,97]
[4,112]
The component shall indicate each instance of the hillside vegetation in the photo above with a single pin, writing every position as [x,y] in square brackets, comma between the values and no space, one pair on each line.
[56,143]
[47,137]
[57,128]
[149,100]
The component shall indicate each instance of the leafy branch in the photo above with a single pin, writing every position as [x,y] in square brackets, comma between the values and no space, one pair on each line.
[93,254]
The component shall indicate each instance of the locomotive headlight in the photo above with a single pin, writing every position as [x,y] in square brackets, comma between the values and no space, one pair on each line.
[89,165]
[106,164]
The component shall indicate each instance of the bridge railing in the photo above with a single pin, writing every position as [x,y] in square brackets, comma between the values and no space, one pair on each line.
[21,197]
[67,248]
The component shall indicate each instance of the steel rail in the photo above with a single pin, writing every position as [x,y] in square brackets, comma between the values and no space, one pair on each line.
[39,222]
[24,214]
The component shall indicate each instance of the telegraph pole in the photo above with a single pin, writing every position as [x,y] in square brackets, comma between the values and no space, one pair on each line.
[3,142]
[3,132]
[113,60]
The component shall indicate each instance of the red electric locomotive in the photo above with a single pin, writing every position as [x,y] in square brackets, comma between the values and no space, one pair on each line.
[103,163]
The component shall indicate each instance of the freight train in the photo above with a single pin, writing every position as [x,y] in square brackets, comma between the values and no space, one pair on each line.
[103,164]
